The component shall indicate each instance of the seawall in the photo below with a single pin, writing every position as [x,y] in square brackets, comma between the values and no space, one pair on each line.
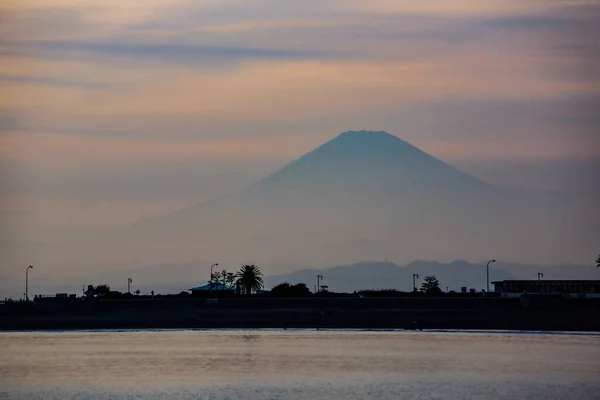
[362,313]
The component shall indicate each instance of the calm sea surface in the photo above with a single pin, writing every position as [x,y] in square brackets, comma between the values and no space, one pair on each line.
[298,365]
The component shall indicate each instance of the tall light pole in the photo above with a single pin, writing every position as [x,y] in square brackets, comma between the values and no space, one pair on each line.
[211,272]
[318,282]
[540,276]
[27,282]
[129,280]
[211,276]
[488,275]
[415,277]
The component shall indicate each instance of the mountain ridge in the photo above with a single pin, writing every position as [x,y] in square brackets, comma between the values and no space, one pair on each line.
[367,274]
[375,152]
[454,275]
[360,195]
[353,140]
[176,277]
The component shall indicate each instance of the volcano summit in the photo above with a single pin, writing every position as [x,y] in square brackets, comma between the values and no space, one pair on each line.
[365,195]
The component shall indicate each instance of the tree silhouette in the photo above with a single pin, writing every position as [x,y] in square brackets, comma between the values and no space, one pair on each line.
[224,278]
[598,262]
[250,278]
[431,285]
[284,289]
[214,279]
[103,289]
[227,279]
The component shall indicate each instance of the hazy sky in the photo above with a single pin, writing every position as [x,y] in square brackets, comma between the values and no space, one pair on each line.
[112,111]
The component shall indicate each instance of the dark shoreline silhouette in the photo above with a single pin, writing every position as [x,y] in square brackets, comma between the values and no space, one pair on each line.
[330,313]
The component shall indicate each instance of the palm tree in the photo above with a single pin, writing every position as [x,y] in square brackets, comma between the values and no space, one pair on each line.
[598,262]
[250,278]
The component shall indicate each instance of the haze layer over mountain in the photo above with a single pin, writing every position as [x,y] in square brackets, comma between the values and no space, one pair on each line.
[365,195]
[361,196]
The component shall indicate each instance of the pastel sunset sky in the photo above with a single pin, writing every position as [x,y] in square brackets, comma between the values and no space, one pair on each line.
[114,111]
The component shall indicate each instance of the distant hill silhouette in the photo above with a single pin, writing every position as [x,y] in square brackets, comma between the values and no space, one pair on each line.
[177,277]
[174,278]
[454,275]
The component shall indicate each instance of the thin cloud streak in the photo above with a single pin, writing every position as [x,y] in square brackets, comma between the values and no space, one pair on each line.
[179,53]
[50,81]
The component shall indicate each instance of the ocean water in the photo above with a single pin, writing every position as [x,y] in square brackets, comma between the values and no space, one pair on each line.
[298,364]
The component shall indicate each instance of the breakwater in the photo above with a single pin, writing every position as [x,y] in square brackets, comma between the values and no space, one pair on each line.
[533,313]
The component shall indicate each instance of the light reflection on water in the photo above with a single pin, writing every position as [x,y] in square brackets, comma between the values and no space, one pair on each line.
[297,364]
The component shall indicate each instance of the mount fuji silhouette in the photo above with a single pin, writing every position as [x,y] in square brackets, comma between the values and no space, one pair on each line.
[366,158]
[363,195]
[354,166]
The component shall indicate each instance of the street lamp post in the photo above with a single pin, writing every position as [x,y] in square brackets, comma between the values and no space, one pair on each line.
[129,280]
[27,282]
[488,275]
[415,277]
[540,276]
[318,283]
[211,276]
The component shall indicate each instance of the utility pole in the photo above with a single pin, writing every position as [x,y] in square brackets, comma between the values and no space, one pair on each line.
[540,276]
[415,277]
[488,274]
[318,281]
[129,285]
[211,273]
[211,279]
[27,282]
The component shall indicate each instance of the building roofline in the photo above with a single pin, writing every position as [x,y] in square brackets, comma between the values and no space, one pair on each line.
[549,280]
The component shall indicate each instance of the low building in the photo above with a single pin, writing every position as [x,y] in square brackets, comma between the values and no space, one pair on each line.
[568,288]
[210,288]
